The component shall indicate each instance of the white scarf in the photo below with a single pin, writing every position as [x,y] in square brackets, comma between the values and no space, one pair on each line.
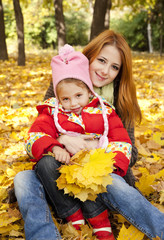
[106,92]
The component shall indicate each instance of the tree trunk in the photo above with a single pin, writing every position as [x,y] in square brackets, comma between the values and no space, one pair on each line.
[101,8]
[60,24]
[3,47]
[149,37]
[161,26]
[161,36]
[107,15]
[20,32]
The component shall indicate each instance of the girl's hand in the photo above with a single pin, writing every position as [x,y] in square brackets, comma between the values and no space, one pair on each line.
[75,144]
[61,154]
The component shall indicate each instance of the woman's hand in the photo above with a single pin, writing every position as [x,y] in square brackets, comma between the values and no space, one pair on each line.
[75,144]
[92,144]
[61,154]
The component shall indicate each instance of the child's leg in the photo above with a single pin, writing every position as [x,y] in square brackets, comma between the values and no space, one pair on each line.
[46,170]
[101,226]
[97,215]
[77,219]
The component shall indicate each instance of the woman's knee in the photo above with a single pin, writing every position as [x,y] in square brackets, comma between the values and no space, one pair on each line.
[119,184]
[22,178]
[23,182]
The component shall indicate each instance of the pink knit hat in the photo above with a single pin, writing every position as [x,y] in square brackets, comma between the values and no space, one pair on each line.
[70,64]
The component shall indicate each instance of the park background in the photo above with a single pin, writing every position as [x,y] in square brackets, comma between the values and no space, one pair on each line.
[30,36]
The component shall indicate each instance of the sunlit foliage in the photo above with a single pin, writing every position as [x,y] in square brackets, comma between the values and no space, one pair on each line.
[22,88]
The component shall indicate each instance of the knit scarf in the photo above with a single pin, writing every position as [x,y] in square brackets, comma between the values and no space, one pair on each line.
[106,92]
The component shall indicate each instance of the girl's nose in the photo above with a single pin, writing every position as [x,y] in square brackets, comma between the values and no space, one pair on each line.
[73,102]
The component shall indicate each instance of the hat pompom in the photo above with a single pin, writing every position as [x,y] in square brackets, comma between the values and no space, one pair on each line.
[66,50]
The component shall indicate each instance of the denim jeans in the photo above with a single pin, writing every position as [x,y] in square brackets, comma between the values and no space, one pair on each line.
[121,197]
[131,204]
[38,222]
[63,204]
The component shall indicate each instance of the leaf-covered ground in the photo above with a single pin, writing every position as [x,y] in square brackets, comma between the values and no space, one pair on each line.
[22,88]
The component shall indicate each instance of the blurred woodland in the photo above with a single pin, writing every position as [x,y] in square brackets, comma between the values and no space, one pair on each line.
[25,74]
[51,23]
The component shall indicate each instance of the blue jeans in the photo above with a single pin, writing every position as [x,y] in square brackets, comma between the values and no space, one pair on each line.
[63,204]
[121,197]
[38,222]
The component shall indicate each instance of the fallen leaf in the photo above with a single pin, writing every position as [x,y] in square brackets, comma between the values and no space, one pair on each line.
[131,233]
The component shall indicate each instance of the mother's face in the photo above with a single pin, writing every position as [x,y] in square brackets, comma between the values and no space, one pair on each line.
[106,66]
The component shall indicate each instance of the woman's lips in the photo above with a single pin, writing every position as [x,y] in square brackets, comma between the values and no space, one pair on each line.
[100,77]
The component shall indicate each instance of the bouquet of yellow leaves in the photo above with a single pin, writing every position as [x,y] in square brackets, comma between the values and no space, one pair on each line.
[88,174]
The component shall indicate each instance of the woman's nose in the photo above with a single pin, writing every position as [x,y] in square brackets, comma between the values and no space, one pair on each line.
[105,70]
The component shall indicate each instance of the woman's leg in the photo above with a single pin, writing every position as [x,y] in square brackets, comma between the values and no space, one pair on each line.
[46,170]
[134,207]
[38,223]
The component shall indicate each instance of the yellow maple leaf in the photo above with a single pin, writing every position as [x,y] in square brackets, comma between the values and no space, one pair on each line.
[89,177]
[157,238]
[14,136]
[10,172]
[157,137]
[99,163]
[147,181]
[161,197]
[3,193]
[69,231]
[131,233]
[120,218]
[5,219]
[6,229]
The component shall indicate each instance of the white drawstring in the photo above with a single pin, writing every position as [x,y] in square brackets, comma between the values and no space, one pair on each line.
[103,141]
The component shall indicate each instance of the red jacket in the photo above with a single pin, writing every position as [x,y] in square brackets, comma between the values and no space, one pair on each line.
[42,136]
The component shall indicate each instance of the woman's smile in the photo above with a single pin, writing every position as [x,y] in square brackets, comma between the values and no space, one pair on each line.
[106,66]
[100,77]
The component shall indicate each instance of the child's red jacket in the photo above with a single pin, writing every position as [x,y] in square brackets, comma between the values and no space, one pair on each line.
[42,136]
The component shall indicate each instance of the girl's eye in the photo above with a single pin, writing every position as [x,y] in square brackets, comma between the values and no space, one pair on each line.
[79,95]
[65,99]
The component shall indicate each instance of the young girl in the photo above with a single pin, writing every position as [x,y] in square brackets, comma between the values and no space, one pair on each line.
[116,84]
[76,110]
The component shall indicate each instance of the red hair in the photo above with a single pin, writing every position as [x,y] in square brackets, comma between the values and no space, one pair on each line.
[126,103]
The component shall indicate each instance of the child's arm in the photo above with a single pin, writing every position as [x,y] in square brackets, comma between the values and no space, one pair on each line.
[42,137]
[61,154]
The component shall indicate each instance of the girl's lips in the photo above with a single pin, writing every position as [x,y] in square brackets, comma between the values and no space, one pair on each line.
[76,110]
[100,77]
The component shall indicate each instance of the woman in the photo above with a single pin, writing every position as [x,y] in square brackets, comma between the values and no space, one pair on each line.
[111,74]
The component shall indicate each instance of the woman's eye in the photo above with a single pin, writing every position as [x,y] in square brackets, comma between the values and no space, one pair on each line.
[115,68]
[101,60]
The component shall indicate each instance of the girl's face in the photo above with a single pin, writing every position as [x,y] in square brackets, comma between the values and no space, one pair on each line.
[73,97]
[106,66]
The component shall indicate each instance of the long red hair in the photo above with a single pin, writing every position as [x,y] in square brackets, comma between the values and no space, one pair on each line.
[126,102]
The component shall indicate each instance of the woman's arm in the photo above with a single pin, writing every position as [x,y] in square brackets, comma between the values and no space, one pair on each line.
[50,92]
[75,144]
